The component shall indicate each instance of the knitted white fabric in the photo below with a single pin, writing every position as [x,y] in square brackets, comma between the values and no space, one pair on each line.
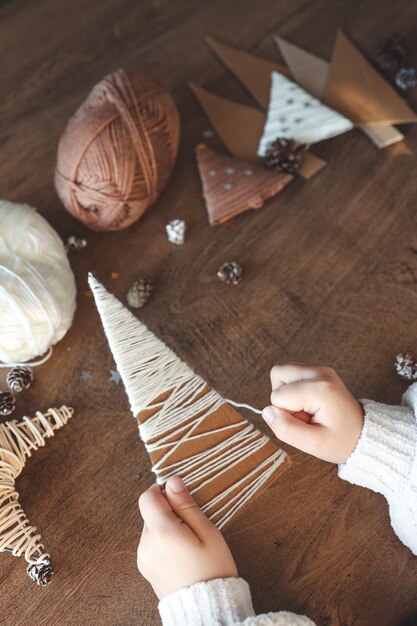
[385,460]
[220,602]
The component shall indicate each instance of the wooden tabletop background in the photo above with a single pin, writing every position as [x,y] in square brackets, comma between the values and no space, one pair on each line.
[330,276]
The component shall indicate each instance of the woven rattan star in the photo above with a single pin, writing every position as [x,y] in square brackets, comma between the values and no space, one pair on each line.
[17,442]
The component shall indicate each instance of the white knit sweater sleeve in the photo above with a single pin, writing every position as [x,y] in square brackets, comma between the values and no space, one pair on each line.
[220,602]
[385,460]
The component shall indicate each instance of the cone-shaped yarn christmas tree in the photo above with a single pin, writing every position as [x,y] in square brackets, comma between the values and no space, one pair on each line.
[187,428]
[232,185]
[17,442]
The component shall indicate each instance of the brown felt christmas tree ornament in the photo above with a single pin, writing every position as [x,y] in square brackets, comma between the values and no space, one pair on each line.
[17,442]
[188,429]
[232,185]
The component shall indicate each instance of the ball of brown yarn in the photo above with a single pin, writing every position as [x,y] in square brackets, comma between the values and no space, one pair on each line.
[117,151]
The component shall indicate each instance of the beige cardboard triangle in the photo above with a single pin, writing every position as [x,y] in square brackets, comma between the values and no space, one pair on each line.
[254,73]
[240,128]
[311,72]
[358,91]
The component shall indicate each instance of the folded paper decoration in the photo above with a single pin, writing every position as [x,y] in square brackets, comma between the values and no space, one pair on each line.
[17,442]
[231,185]
[295,114]
[358,91]
[253,72]
[311,72]
[187,428]
[240,128]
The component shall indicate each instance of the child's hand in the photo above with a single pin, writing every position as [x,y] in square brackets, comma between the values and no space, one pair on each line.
[179,545]
[314,411]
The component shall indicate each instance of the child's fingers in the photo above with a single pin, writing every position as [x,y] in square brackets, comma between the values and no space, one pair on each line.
[184,505]
[306,395]
[155,508]
[285,373]
[295,432]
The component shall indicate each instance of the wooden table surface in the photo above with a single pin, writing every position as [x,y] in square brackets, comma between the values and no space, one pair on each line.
[330,276]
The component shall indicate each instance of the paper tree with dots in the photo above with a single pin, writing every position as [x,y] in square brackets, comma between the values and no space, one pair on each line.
[17,442]
[187,428]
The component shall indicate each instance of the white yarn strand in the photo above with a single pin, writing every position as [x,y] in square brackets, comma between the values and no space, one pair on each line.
[242,405]
[148,368]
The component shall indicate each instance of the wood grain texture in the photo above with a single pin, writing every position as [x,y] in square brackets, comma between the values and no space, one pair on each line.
[330,276]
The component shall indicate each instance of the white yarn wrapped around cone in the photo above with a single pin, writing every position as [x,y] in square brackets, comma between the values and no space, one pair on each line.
[37,286]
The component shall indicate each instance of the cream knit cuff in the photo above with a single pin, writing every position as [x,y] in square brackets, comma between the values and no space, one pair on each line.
[220,602]
[384,454]
[385,460]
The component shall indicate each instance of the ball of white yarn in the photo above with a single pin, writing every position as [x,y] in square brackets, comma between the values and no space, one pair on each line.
[37,286]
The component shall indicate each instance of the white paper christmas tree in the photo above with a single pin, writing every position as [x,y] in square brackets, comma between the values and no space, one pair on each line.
[295,114]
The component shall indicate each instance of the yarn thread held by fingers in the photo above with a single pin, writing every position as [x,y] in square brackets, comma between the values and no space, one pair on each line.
[117,151]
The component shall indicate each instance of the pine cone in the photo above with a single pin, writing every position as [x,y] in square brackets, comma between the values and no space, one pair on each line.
[75,244]
[139,293]
[19,378]
[41,573]
[230,273]
[284,155]
[406,366]
[7,403]
[176,231]
[391,54]
[406,78]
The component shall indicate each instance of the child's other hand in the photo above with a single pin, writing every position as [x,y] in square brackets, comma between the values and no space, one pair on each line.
[179,545]
[313,410]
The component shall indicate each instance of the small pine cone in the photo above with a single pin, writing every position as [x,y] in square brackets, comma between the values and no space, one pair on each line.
[391,54]
[406,366]
[284,155]
[7,403]
[41,573]
[406,78]
[230,273]
[139,293]
[19,378]
[75,244]
[176,231]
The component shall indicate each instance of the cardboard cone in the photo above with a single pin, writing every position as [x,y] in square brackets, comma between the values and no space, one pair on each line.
[187,428]
[231,185]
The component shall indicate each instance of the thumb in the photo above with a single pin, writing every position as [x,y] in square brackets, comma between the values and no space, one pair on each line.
[184,505]
[293,430]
